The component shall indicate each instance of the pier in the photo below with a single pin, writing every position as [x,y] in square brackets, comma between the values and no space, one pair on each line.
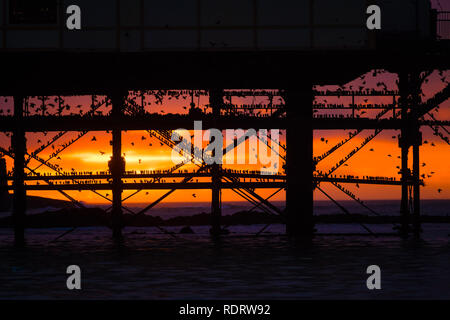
[121,81]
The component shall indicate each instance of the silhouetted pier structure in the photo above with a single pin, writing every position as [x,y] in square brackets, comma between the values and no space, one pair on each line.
[297,215]
[290,72]
[150,181]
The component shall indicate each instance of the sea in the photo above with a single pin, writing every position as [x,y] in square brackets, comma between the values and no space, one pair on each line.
[167,210]
[153,264]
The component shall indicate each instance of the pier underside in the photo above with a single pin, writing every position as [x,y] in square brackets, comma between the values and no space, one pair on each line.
[292,75]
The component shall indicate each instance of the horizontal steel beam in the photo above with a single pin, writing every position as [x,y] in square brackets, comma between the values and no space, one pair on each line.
[167,175]
[204,185]
[154,186]
[172,122]
[46,73]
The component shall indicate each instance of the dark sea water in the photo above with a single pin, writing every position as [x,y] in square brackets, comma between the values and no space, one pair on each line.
[154,265]
[382,207]
[173,209]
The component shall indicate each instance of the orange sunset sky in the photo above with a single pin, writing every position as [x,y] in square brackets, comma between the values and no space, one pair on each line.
[145,153]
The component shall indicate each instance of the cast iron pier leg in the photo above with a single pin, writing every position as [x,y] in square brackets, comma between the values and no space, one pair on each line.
[117,166]
[404,144]
[216,102]
[18,143]
[299,193]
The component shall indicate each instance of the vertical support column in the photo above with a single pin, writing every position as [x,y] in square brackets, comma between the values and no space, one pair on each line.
[416,143]
[299,193]
[18,143]
[405,173]
[216,102]
[117,167]
[416,192]
[4,195]
[403,87]
[216,204]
